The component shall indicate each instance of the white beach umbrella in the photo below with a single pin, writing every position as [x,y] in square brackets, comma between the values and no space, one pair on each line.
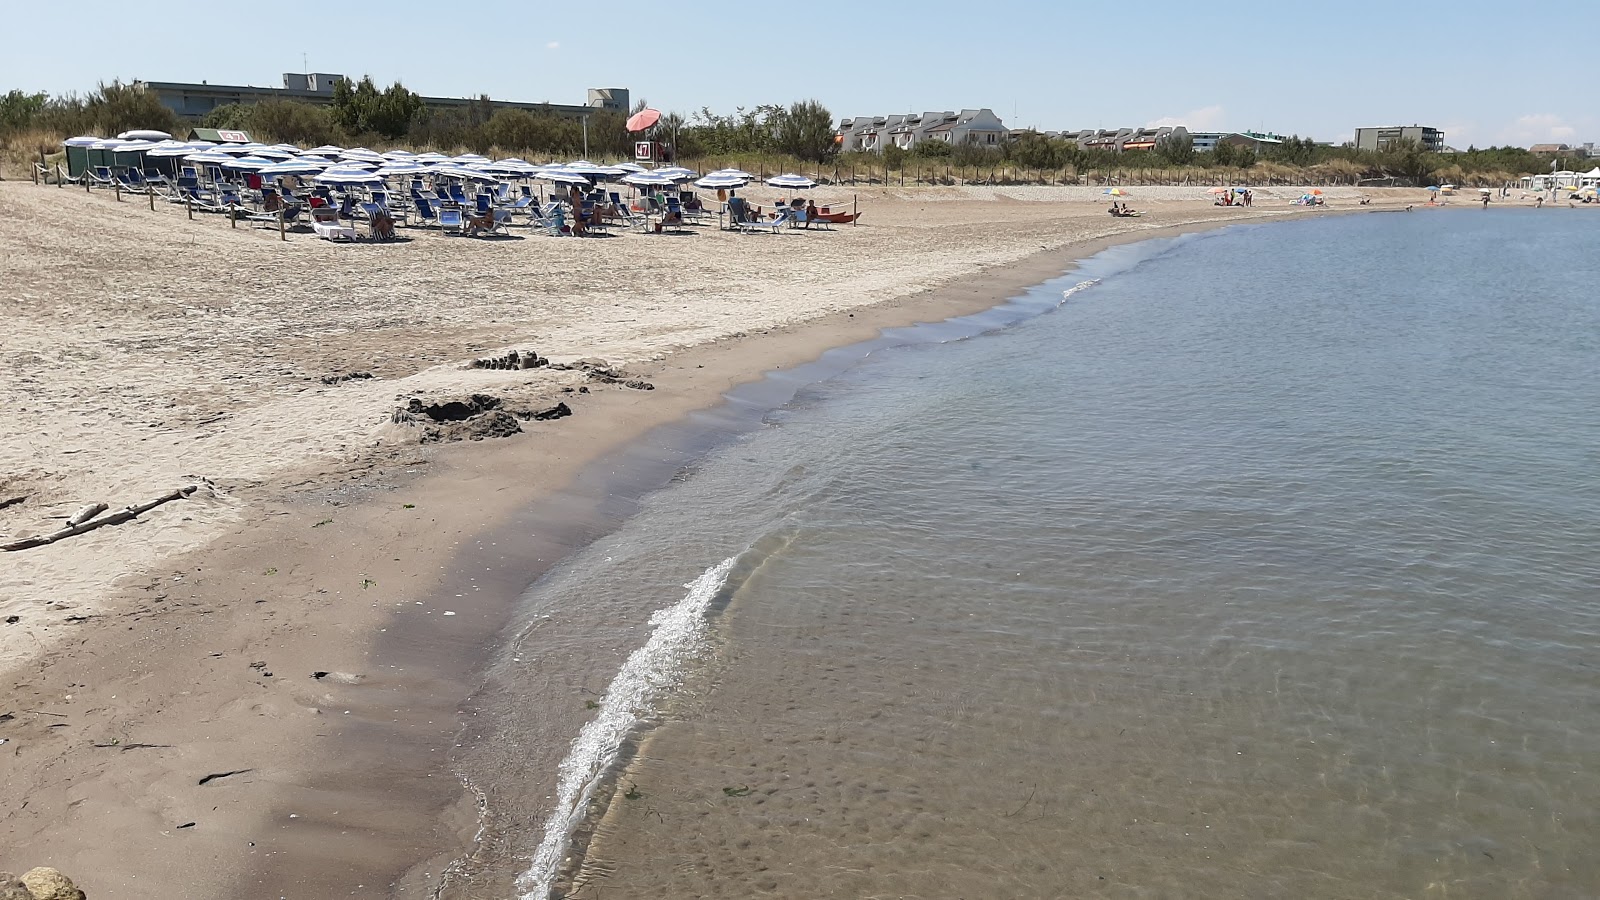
[318,161]
[644,179]
[248,163]
[505,167]
[175,149]
[398,154]
[139,146]
[144,134]
[717,181]
[737,173]
[432,156]
[454,171]
[471,158]
[211,155]
[560,175]
[399,167]
[585,167]
[273,153]
[342,175]
[289,147]
[677,173]
[83,140]
[291,167]
[362,154]
[791,182]
[240,149]
[326,150]
[629,167]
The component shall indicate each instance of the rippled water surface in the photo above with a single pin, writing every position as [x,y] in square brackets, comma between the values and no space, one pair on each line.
[1266,566]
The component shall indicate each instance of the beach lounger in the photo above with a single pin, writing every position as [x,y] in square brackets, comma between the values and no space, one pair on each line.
[325,223]
[425,213]
[450,220]
[132,182]
[774,225]
[99,175]
[374,213]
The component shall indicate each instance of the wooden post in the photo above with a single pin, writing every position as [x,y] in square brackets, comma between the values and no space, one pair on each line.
[282,236]
[151,193]
[116,188]
[188,203]
[233,215]
[855,209]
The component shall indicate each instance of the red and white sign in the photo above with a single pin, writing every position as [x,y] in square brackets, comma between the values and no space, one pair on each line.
[645,150]
[234,137]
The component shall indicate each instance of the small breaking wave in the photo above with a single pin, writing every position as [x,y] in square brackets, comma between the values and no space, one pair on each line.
[1077,288]
[652,670]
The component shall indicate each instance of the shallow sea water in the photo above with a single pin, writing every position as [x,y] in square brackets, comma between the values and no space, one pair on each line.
[1264,566]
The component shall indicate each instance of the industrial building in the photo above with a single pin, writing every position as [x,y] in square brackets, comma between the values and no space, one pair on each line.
[1384,137]
[195,100]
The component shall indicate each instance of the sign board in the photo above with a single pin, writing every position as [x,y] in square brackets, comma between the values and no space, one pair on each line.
[234,137]
[645,150]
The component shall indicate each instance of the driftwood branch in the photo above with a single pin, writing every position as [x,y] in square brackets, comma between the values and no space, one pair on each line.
[116,518]
[12,501]
[87,513]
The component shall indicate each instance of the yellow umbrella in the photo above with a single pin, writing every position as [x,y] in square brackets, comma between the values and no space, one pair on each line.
[1117,192]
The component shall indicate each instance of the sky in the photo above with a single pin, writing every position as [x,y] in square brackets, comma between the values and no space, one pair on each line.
[1225,65]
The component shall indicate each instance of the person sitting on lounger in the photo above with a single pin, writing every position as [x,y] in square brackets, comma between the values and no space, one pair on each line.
[475,224]
[737,211]
[693,204]
[382,225]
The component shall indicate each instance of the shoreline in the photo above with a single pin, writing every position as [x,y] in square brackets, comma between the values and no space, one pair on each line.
[387,711]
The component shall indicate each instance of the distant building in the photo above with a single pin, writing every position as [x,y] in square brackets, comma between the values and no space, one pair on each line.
[195,100]
[967,128]
[1552,150]
[1382,138]
[1121,140]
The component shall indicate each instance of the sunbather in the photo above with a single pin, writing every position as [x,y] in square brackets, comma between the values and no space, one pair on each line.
[482,222]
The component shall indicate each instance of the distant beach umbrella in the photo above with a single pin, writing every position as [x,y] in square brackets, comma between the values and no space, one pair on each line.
[362,154]
[318,161]
[1433,187]
[343,175]
[593,170]
[138,146]
[721,181]
[1116,192]
[325,150]
[791,182]
[239,149]
[649,179]
[275,153]
[291,167]
[560,175]
[629,167]
[145,134]
[450,170]
[398,154]
[643,119]
[247,163]
[432,156]
[212,155]
[1218,190]
[400,167]
[176,149]
[471,158]
[83,140]
[737,173]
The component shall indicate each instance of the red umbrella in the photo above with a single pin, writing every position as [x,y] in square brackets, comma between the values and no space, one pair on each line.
[643,119]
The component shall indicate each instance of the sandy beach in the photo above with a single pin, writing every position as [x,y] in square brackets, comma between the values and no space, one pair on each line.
[255,690]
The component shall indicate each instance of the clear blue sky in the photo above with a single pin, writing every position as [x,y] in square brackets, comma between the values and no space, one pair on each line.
[1317,69]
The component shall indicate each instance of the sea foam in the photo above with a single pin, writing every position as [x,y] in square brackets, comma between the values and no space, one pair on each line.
[647,675]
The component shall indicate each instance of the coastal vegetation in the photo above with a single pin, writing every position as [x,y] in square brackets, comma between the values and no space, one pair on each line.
[767,138]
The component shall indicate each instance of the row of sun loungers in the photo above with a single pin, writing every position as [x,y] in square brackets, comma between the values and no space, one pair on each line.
[446,206]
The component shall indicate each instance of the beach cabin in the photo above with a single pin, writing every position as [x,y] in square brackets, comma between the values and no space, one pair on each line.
[77,149]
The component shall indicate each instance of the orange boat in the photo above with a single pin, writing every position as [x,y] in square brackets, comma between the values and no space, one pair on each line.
[837,218]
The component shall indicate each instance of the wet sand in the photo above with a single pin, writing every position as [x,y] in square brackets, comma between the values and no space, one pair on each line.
[144,352]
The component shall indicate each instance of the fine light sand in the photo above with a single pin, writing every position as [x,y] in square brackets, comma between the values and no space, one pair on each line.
[142,351]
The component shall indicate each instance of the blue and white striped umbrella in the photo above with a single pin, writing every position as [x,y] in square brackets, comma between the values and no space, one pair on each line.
[677,173]
[212,156]
[455,171]
[737,173]
[83,140]
[248,163]
[655,179]
[292,167]
[344,175]
[791,182]
[432,156]
[399,167]
[593,170]
[325,150]
[399,154]
[471,158]
[720,181]
[629,167]
[560,175]
[362,154]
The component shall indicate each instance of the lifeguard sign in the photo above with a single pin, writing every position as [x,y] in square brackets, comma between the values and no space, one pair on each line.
[645,150]
[234,137]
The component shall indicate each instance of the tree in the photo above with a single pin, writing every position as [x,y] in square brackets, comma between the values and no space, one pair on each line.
[17,110]
[1224,153]
[360,108]
[1245,157]
[1177,149]
[230,116]
[805,130]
